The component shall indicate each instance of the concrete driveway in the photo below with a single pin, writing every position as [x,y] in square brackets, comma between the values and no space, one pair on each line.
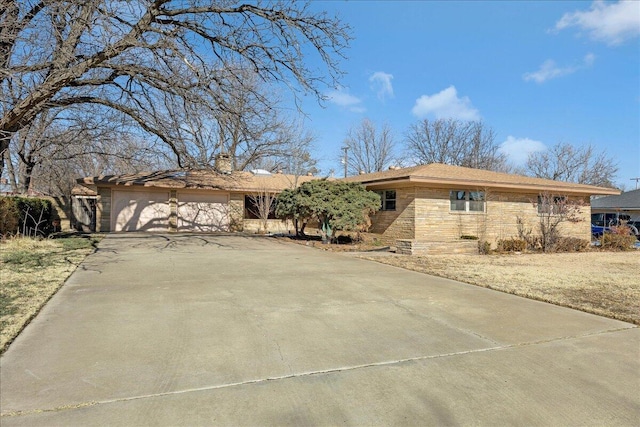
[231,330]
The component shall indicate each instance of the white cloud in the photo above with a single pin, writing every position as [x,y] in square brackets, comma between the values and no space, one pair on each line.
[381,84]
[445,104]
[518,149]
[550,70]
[345,100]
[612,23]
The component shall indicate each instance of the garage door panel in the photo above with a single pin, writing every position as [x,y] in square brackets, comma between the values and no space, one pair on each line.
[141,211]
[203,212]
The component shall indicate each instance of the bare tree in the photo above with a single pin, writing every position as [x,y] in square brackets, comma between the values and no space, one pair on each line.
[369,149]
[45,154]
[564,162]
[553,210]
[454,142]
[263,207]
[136,57]
[293,154]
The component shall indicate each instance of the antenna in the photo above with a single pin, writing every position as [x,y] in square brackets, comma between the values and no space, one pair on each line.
[636,180]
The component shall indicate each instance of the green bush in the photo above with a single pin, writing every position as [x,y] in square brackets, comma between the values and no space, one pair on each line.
[512,245]
[571,244]
[9,216]
[29,216]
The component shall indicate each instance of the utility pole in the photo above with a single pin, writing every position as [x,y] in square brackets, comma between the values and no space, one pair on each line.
[345,160]
[636,180]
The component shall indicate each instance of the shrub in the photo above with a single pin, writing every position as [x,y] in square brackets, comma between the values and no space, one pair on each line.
[512,245]
[9,216]
[28,216]
[571,244]
[484,247]
[618,239]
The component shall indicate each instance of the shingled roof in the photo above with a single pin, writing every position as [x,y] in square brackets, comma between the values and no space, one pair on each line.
[450,176]
[201,179]
[629,200]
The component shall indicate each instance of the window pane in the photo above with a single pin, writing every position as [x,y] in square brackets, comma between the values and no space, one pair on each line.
[458,205]
[476,206]
[390,194]
[457,195]
[390,205]
[476,195]
[457,200]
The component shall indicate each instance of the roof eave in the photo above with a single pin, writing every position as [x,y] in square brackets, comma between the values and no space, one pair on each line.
[587,190]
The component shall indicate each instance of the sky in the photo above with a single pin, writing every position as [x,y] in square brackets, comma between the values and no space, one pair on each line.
[538,73]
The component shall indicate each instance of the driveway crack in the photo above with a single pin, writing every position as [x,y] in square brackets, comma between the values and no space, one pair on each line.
[310,373]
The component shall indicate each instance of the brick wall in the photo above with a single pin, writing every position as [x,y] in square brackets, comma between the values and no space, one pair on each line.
[433,219]
[398,224]
[236,212]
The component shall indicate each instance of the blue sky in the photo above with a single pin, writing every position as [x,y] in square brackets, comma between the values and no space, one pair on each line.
[538,73]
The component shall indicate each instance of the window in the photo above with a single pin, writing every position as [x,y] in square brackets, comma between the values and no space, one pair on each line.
[255,205]
[554,205]
[466,201]
[387,200]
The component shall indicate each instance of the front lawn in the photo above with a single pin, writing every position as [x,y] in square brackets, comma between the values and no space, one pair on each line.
[599,282]
[32,271]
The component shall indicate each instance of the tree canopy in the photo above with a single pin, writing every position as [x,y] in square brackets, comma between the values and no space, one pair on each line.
[143,59]
[454,142]
[369,149]
[565,162]
[336,205]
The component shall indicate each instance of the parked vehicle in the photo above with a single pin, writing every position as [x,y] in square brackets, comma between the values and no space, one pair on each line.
[602,223]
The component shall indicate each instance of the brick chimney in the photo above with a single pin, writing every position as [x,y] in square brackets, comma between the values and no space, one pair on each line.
[223,163]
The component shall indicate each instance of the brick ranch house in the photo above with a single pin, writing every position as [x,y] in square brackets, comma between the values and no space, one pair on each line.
[427,207]
[179,201]
[423,207]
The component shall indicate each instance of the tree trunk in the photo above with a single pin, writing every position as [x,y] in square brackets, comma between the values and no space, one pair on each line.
[5,139]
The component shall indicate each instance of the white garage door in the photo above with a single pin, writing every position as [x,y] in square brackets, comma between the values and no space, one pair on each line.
[203,212]
[140,211]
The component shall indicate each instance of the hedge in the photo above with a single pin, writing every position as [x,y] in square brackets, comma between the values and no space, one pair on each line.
[29,216]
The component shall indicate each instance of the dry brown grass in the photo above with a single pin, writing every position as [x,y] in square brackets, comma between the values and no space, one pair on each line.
[32,271]
[603,283]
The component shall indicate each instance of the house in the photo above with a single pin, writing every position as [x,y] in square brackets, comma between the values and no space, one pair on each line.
[626,203]
[183,201]
[428,206]
[424,208]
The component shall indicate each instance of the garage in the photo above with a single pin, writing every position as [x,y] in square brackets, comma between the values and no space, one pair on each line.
[140,211]
[202,212]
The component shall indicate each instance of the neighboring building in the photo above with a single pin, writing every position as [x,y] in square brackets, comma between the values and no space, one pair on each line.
[425,206]
[183,201]
[625,203]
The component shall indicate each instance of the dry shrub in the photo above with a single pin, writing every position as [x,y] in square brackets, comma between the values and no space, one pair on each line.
[512,245]
[571,244]
[618,239]
[484,247]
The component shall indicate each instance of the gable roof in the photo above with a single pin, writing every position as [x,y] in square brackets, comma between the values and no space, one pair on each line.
[438,174]
[626,200]
[201,179]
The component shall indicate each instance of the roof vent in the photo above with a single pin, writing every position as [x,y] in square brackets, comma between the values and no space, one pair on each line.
[260,172]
